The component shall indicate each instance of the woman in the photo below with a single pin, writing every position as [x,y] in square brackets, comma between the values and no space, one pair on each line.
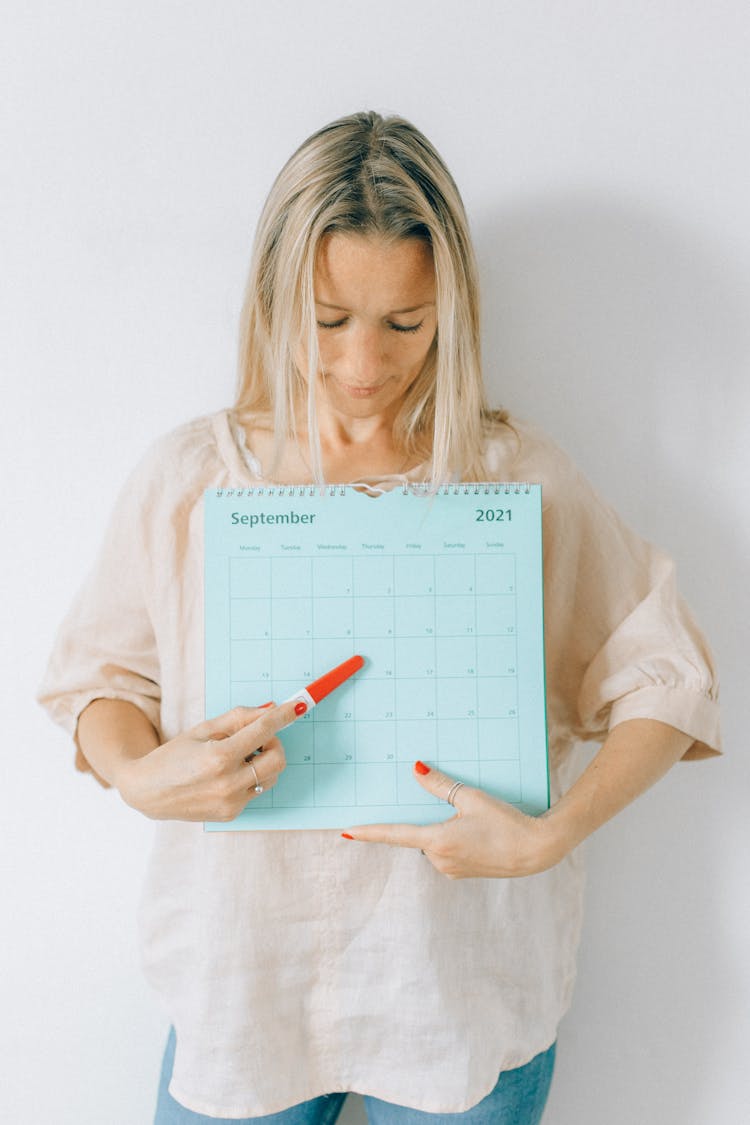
[430,975]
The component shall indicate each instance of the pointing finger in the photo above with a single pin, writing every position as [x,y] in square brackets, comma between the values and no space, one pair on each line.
[269,721]
[222,726]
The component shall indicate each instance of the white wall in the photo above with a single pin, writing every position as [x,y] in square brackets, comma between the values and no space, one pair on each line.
[603,154]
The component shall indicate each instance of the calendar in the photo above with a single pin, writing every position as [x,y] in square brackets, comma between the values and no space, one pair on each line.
[441,593]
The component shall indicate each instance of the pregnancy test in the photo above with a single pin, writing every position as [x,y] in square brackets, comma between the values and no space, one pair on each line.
[314,693]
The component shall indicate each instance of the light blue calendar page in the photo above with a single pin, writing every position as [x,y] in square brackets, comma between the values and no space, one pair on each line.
[442,595]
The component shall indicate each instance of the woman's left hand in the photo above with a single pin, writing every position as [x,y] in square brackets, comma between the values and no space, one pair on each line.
[486,838]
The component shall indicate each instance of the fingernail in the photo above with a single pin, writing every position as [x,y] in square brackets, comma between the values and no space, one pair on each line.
[300,708]
[347,836]
[266,705]
[420,767]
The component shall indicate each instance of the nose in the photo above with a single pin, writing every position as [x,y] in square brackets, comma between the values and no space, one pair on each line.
[365,360]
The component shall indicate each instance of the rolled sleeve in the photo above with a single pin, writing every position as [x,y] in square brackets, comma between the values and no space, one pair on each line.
[689,711]
[655,665]
[105,647]
[622,642]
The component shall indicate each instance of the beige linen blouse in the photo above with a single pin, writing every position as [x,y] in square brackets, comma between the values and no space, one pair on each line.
[295,964]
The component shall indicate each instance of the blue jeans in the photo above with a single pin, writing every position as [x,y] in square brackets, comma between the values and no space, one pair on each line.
[518,1099]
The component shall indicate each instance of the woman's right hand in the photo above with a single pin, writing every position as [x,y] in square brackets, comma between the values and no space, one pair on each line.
[204,773]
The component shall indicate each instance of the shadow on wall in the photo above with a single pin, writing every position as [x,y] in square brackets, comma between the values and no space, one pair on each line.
[624,337]
[628,340]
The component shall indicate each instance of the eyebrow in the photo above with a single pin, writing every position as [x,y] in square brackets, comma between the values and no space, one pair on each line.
[393,312]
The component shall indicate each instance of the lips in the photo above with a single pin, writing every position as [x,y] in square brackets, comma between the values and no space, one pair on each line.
[362,392]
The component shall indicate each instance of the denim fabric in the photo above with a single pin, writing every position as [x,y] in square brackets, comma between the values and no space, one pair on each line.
[518,1099]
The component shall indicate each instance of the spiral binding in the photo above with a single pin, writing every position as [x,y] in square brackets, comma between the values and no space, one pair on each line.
[285,490]
[469,488]
[413,488]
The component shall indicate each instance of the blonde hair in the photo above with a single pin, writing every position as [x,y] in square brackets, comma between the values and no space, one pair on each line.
[368,175]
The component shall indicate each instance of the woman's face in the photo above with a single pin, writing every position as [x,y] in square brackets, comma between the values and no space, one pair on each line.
[375,308]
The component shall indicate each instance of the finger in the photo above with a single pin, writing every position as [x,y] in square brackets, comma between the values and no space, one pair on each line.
[265,787]
[442,785]
[398,835]
[264,764]
[224,726]
[262,729]
[256,782]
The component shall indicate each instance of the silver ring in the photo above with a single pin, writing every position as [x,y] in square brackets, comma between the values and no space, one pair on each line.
[258,786]
[451,798]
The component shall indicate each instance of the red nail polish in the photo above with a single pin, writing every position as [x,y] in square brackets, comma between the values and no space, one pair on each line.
[263,705]
[420,767]
[300,708]
[347,836]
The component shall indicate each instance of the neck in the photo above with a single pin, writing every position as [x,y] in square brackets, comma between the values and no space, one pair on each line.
[351,448]
[360,451]
[343,436]
[339,437]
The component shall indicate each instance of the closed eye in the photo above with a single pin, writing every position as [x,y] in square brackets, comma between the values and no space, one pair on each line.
[394,327]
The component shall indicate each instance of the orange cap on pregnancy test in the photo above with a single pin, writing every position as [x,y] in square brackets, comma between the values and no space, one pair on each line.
[323,686]
[315,692]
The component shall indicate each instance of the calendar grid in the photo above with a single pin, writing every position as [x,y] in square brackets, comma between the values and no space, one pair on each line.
[451,675]
[472,673]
